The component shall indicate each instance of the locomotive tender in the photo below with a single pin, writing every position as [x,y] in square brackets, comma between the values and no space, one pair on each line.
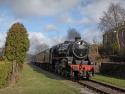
[69,59]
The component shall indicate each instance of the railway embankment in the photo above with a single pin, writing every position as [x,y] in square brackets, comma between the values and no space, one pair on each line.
[36,81]
[118,82]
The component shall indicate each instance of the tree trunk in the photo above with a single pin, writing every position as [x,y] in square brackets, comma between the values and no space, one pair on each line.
[14,72]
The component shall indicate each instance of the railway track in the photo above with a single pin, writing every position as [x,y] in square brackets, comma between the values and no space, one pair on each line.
[102,88]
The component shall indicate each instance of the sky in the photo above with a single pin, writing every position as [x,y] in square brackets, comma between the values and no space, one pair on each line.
[47,21]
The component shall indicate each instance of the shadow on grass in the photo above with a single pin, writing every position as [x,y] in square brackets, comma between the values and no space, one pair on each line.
[44,72]
[111,76]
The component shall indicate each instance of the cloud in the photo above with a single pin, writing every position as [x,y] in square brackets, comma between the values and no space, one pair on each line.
[2,39]
[50,27]
[60,9]
[42,7]
[38,38]
[5,23]
[91,13]
[95,9]
[65,18]
[84,20]
[91,34]
[2,1]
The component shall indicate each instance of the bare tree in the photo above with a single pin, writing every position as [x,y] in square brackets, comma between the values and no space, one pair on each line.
[72,33]
[114,15]
[95,40]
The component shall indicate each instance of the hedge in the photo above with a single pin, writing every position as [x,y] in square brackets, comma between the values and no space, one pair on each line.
[5,71]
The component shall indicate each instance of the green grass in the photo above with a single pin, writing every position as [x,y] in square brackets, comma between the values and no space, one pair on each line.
[33,81]
[5,69]
[110,80]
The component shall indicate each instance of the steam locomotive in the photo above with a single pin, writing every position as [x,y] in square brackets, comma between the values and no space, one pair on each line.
[69,59]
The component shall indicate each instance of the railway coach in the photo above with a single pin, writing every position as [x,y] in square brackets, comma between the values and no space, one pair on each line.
[69,59]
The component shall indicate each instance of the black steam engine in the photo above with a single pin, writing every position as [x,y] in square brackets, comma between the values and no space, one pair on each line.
[69,59]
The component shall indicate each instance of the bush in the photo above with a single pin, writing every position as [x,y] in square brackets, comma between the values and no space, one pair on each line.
[5,71]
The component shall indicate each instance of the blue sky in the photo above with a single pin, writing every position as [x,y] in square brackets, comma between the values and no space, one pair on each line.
[47,21]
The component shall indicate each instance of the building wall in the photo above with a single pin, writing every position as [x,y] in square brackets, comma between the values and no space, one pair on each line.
[114,42]
[113,69]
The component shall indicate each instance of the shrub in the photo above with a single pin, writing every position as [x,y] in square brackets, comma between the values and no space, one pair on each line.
[5,72]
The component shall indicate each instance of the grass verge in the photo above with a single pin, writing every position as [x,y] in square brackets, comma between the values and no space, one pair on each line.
[5,69]
[110,80]
[34,81]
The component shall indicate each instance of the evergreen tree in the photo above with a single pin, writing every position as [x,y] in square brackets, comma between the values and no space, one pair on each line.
[17,44]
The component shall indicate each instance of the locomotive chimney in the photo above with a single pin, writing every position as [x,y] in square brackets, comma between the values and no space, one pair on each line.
[77,38]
